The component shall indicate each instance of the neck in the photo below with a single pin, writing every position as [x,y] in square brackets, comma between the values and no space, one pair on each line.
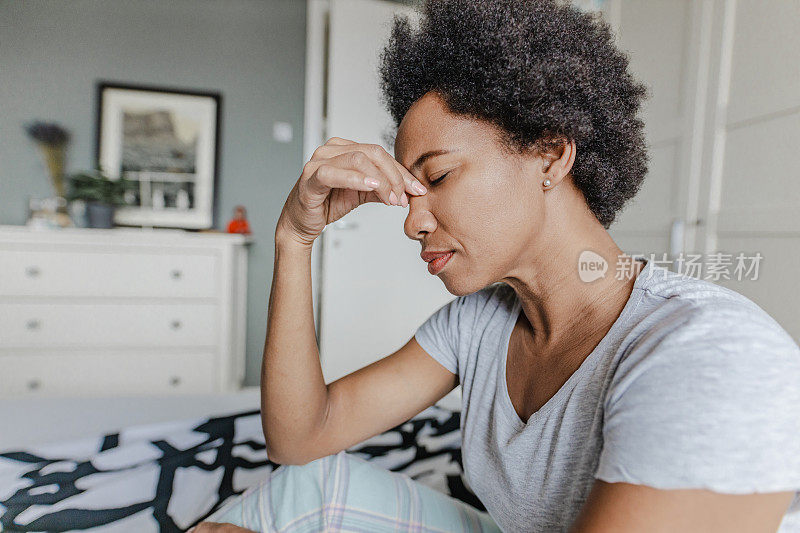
[562,310]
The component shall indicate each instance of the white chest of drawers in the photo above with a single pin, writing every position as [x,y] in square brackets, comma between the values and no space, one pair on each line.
[121,311]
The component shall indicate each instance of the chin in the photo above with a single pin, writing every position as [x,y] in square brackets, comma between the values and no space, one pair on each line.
[460,286]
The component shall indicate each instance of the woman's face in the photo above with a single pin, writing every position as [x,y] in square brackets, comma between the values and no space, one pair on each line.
[489,206]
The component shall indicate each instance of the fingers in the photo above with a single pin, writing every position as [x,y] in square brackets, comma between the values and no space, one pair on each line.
[333,174]
[372,196]
[351,170]
[399,180]
[403,182]
[391,187]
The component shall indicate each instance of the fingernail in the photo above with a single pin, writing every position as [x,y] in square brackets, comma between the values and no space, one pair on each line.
[404,200]
[393,198]
[418,187]
[371,182]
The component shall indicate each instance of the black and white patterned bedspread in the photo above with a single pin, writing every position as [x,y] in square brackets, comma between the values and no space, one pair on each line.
[167,477]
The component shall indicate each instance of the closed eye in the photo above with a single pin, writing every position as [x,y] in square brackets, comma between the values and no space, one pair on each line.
[434,182]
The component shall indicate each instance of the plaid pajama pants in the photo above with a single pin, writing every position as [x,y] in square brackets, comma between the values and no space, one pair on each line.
[343,492]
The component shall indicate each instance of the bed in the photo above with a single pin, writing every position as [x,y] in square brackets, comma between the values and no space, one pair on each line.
[165,463]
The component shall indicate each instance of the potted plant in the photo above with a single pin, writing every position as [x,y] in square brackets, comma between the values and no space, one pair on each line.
[100,193]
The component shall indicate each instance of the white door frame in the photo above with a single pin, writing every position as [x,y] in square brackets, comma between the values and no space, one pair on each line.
[314,115]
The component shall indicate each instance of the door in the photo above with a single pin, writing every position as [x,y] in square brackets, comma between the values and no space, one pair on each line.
[722,124]
[664,39]
[751,198]
[374,288]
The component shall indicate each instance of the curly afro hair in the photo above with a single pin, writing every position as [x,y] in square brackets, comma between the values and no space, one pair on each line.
[542,71]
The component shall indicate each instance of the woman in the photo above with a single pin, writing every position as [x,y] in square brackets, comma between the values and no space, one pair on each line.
[648,401]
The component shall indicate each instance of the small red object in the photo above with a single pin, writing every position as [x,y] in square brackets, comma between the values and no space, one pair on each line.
[239,222]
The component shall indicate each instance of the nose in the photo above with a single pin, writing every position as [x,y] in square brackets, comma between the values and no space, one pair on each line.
[419,221]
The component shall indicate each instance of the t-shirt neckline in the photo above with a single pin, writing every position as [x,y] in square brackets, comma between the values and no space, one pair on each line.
[584,369]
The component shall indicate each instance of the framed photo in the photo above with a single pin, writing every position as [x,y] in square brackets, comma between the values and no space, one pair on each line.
[166,143]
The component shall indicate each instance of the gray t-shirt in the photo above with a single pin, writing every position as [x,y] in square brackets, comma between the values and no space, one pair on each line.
[694,386]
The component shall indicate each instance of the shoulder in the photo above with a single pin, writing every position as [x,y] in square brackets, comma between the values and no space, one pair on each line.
[448,332]
[705,387]
[665,284]
[699,333]
[679,309]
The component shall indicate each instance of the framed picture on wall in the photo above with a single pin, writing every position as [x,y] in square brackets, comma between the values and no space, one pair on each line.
[165,141]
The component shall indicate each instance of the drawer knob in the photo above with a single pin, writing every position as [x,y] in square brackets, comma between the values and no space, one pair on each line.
[176,274]
[32,271]
[34,384]
[174,381]
[33,324]
[176,324]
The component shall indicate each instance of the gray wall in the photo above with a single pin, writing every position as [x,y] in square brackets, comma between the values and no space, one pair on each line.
[252,51]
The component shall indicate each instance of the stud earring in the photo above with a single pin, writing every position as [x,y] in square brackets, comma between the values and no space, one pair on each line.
[546,182]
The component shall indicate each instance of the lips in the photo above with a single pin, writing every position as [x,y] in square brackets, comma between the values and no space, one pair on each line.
[431,255]
[438,263]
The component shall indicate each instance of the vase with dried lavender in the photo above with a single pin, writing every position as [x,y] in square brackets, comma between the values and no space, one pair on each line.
[52,140]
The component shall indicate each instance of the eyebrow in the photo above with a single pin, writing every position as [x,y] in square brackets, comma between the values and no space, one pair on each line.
[427,155]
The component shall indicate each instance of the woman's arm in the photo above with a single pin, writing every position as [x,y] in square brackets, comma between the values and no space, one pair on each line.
[303,418]
[629,508]
[294,398]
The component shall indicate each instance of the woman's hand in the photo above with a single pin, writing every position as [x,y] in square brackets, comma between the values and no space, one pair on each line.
[336,180]
[214,527]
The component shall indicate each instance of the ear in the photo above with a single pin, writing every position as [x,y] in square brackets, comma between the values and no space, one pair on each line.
[557,161]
